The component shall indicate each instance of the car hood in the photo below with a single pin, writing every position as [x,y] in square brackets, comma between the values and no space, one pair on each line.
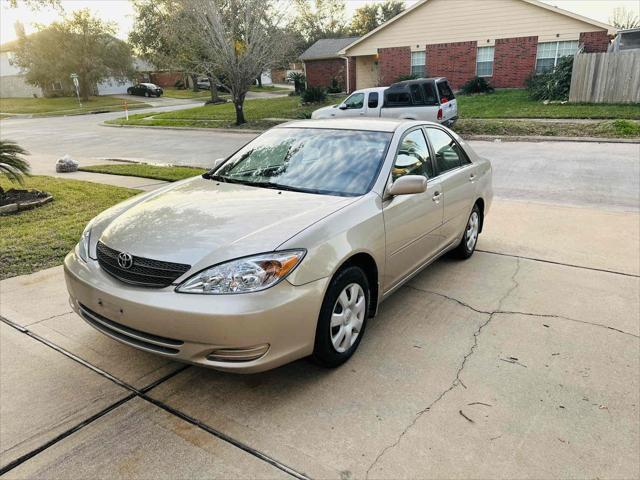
[202,222]
[324,112]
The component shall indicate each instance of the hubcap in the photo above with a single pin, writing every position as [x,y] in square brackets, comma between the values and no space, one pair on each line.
[472,230]
[347,317]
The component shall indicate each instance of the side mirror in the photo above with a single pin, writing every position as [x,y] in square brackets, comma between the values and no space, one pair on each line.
[217,162]
[342,106]
[408,185]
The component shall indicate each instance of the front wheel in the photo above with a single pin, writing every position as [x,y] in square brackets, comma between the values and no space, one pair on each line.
[467,245]
[343,318]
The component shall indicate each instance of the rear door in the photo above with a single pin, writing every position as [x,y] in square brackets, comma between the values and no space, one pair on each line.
[412,222]
[448,101]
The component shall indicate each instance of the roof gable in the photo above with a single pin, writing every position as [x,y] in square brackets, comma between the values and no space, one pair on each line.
[327,48]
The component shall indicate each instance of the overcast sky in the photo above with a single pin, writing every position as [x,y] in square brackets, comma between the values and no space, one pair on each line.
[121,12]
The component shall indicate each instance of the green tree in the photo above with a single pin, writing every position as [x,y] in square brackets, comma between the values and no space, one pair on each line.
[317,19]
[370,17]
[12,165]
[163,34]
[241,39]
[80,44]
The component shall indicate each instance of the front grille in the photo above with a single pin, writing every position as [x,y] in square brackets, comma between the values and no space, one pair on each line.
[143,272]
[130,335]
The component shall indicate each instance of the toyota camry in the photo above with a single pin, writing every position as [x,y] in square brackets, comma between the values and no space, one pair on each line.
[283,250]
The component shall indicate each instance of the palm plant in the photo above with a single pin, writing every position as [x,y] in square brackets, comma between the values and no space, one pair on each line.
[12,165]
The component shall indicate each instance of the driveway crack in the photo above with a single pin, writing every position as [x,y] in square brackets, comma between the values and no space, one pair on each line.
[457,380]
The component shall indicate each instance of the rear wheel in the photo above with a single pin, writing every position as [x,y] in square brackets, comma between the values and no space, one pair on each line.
[343,318]
[147,94]
[467,245]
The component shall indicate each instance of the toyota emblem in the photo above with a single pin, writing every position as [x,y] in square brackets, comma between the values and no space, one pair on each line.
[125,260]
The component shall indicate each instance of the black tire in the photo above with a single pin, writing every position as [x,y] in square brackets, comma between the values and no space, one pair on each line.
[324,353]
[463,250]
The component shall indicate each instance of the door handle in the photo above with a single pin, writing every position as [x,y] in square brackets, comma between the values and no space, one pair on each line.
[436,197]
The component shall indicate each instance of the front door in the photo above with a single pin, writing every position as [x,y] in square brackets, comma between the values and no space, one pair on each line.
[353,106]
[457,176]
[412,222]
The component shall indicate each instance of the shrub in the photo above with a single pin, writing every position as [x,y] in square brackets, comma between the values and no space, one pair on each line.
[335,87]
[298,80]
[477,85]
[314,94]
[179,84]
[553,85]
[12,165]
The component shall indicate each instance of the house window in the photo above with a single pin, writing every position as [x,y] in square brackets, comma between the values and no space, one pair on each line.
[418,61]
[550,52]
[484,62]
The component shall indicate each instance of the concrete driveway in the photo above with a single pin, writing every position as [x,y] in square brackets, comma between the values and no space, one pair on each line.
[521,362]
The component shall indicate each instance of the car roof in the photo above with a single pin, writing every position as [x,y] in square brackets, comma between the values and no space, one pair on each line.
[360,123]
[370,89]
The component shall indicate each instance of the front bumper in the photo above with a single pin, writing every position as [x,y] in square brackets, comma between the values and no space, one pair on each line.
[252,332]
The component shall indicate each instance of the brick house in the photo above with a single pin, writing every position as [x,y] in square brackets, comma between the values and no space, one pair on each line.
[504,41]
[323,62]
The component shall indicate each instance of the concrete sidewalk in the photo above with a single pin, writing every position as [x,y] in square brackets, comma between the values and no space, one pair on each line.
[518,363]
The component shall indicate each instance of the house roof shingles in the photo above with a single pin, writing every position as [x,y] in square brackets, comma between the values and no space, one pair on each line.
[327,48]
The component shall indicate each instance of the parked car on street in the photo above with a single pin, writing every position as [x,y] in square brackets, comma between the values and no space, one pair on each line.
[428,99]
[286,248]
[146,90]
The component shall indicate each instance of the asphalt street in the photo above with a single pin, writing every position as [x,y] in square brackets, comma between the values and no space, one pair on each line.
[599,175]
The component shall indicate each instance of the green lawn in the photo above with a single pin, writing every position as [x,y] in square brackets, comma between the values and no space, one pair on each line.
[40,238]
[517,104]
[156,172]
[172,92]
[604,129]
[257,112]
[269,89]
[64,105]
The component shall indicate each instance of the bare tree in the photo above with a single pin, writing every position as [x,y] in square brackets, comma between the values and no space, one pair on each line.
[624,19]
[242,39]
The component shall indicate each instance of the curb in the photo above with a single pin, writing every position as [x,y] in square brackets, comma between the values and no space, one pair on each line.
[199,129]
[540,138]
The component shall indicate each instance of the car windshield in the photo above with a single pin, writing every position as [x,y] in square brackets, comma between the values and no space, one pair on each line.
[325,161]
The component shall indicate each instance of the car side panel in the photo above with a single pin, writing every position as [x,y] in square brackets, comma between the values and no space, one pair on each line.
[357,228]
[459,195]
[423,112]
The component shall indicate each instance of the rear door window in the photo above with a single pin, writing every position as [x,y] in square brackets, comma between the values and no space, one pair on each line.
[446,94]
[449,154]
[430,96]
[416,94]
[397,99]
[373,100]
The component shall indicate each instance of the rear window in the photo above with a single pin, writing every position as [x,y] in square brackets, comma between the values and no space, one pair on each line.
[397,99]
[445,92]
[373,100]
[430,96]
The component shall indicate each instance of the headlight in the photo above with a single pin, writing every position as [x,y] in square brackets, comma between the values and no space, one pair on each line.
[83,244]
[248,274]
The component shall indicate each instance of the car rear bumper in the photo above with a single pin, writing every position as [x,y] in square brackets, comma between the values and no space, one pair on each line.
[239,333]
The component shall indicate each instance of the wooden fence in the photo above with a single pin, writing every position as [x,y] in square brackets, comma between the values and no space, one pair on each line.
[612,77]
